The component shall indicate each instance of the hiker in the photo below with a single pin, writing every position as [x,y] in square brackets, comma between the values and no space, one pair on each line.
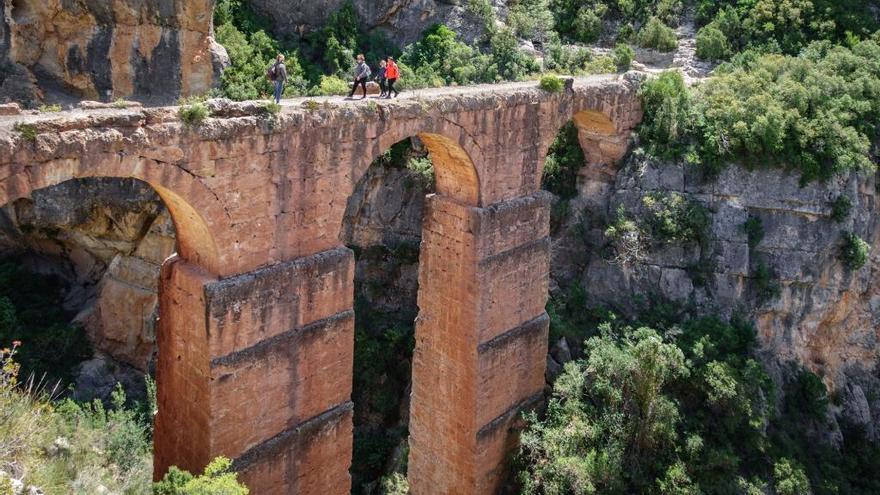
[392,74]
[380,78]
[361,74]
[277,73]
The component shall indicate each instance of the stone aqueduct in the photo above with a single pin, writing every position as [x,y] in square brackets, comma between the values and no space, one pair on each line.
[256,325]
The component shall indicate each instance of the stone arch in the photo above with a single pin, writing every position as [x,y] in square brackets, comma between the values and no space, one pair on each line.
[188,201]
[454,153]
[603,140]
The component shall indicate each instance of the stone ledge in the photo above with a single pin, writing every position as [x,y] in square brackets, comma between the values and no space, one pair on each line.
[271,344]
[492,427]
[532,326]
[307,428]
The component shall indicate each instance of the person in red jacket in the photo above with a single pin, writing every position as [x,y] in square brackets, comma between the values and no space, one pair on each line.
[392,74]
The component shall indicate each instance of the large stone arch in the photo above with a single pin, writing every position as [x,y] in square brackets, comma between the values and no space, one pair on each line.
[603,140]
[189,202]
[454,153]
[183,430]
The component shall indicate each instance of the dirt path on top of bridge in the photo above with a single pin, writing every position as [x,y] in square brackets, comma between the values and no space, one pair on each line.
[293,104]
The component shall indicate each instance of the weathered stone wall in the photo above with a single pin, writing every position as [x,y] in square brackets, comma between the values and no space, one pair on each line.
[154,50]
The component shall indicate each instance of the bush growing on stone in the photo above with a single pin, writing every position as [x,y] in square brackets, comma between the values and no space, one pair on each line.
[49,108]
[712,44]
[551,83]
[193,111]
[766,283]
[657,35]
[27,131]
[754,229]
[671,217]
[626,239]
[531,19]
[855,251]
[840,208]
[482,10]
[623,56]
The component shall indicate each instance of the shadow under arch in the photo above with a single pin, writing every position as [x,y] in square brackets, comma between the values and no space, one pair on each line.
[455,171]
[188,202]
[594,127]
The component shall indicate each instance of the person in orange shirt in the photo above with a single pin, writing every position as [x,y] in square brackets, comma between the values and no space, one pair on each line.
[392,74]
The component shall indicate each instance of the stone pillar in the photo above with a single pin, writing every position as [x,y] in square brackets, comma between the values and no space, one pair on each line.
[258,368]
[481,340]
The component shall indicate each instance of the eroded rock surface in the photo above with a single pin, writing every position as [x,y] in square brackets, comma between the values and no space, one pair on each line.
[107,239]
[825,316]
[153,50]
[403,20]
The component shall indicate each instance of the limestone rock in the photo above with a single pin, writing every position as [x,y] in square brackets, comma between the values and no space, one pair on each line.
[154,50]
[403,20]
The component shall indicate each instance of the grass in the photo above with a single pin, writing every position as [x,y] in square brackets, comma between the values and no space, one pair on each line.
[49,108]
[193,111]
[855,251]
[27,131]
[272,108]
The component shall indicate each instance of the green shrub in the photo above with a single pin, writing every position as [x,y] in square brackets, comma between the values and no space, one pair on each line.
[271,108]
[394,484]
[531,19]
[666,102]
[483,11]
[671,217]
[587,24]
[217,479]
[658,36]
[764,110]
[564,159]
[627,239]
[623,56]
[754,229]
[712,44]
[790,479]
[26,131]
[193,111]
[840,208]
[855,251]
[331,86]
[601,65]
[31,312]
[50,108]
[552,83]
[765,282]
[511,63]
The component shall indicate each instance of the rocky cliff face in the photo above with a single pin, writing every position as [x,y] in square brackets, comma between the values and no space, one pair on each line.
[403,20]
[810,309]
[150,50]
[107,238]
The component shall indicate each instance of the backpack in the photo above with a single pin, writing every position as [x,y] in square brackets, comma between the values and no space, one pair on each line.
[271,72]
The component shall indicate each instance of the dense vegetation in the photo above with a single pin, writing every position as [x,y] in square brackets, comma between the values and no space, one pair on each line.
[816,113]
[677,405]
[31,313]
